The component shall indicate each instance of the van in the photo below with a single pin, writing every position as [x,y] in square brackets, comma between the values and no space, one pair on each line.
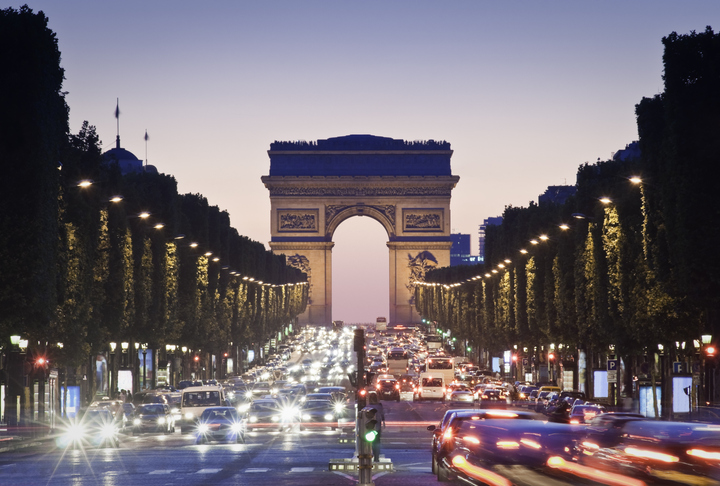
[431,385]
[195,400]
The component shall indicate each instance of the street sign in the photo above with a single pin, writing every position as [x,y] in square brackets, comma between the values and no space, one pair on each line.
[525,362]
[677,367]
[612,369]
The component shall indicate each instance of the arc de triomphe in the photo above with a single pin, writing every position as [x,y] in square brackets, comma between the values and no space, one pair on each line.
[405,186]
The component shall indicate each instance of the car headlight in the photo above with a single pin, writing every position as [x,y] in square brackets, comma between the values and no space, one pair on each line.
[75,433]
[244,407]
[306,416]
[253,418]
[161,420]
[137,421]
[203,429]
[237,427]
[339,408]
[189,416]
[108,431]
[329,416]
[275,418]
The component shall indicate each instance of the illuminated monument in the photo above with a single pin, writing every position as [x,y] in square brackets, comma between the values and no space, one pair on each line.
[405,186]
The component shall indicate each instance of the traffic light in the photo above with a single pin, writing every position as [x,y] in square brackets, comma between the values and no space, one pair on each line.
[551,357]
[359,340]
[710,351]
[368,424]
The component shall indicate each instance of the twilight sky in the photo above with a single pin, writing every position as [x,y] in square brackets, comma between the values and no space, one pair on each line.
[525,92]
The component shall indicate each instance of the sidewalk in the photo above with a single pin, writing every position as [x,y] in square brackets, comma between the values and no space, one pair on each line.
[10,441]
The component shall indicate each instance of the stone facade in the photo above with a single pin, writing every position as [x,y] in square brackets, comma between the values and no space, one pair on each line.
[414,209]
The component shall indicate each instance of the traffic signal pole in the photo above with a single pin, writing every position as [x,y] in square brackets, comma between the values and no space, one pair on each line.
[363,448]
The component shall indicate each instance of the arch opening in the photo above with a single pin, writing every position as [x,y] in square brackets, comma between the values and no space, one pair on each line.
[360,279]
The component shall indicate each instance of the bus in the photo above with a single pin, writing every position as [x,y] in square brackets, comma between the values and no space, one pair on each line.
[433,342]
[381,324]
[444,366]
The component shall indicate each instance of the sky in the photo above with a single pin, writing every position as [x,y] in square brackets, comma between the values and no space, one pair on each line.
[524,91]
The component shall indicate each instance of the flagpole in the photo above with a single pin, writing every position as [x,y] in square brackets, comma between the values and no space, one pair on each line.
[146,139]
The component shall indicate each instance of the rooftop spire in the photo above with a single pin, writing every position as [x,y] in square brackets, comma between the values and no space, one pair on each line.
[117,117]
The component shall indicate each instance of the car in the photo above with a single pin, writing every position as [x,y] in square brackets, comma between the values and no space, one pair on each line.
[265,413]
[477,446]
[153,417]
[462,397]
[687,454]
[580,414]
[220,423]
[318,413]
[97,428]
[388,389]
[452,420]
[492,398]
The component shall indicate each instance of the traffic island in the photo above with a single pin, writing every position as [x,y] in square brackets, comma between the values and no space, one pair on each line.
[352,465]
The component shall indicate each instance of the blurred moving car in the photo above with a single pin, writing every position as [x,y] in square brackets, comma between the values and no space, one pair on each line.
[580,414]
[220,423]
[653,451]
[479,445]
[462,397]
[153,417]
[444,433]
[97,428]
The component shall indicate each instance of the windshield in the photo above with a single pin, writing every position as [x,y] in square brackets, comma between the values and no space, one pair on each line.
[201,399]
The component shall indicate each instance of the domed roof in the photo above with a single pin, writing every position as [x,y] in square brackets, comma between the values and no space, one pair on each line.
[117,154]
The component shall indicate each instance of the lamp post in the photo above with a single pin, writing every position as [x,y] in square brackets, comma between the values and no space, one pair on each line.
[113,376]
[144,351]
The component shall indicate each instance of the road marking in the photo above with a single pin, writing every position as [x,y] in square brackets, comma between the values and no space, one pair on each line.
[209,471]
[302,469]
[398,443]
[416,468]
[256,470]
[162,471]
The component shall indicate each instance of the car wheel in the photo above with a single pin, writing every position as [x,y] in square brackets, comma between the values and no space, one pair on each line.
[241,438]
[433,465]
[442,473]
[200,440]
[333,428]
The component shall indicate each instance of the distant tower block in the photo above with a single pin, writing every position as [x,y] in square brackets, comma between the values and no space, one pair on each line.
[405,186]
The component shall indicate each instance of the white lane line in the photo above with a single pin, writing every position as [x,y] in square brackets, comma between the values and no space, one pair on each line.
[162,471]
[302,469]
[398,443]
[257,470]
[209,471]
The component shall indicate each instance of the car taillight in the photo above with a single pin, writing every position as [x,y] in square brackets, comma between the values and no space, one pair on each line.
[397,387]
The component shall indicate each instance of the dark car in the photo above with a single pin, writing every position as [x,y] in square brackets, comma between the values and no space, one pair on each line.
[479,445]
[265,413]
[153,417]
[580,414]
[444,433]
[388,389]
[492,398]
[220,423]
[318,413]
[689,453]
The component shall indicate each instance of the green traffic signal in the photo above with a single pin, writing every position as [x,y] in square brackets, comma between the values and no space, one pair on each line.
[369,423]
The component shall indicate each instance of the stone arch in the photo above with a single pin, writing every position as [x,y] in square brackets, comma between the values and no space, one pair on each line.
[405,186]
[335,215]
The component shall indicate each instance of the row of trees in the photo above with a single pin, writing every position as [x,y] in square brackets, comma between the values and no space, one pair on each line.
[81,270]
[638,270]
